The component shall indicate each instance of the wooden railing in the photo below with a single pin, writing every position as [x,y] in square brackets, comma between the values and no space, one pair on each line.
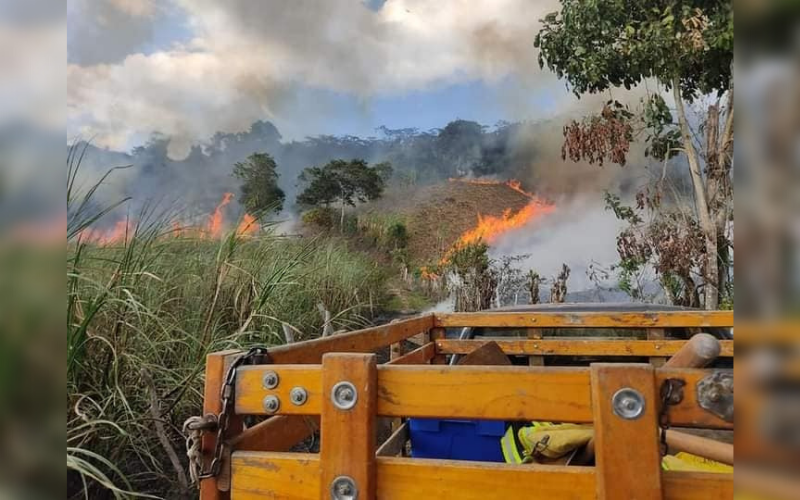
[417,384]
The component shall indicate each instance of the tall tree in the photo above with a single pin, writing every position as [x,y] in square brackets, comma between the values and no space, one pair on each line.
[260,191]
[686,46]
[344,181]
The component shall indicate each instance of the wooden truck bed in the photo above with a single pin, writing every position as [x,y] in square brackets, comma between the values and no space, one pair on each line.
[335,385]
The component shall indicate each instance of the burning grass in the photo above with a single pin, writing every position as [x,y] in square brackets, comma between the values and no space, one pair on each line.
[145,309]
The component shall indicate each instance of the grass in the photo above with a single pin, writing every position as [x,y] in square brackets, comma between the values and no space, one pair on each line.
[143,314]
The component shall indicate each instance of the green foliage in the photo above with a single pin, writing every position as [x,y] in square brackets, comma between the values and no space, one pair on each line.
[141,317]
[320,217]
[260,191]
[397,235]
[601,44]
[472,257]
[346,181]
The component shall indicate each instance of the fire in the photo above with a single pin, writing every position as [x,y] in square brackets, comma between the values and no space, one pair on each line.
[491,227]
[213,228]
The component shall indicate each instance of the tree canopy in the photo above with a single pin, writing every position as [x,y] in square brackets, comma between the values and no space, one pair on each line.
[608,43]
[686,46]
[260,191]
[345,181]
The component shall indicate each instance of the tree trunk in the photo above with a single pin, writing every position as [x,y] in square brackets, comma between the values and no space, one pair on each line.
[709,228]
[341,219]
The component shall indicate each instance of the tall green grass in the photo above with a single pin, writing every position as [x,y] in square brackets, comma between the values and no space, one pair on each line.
[142,315]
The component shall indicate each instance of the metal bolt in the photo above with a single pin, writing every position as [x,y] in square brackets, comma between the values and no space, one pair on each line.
[344,488]
[271,404]
[628,403]
[298,395]
[270,380]
[344,395]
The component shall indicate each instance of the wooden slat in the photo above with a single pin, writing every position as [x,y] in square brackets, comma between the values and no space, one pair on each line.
[296,476]
[628,461]
[367,340]
[671,319]
[577,347]
[486,355]
[348,436]
[418,356]
[216,365]
[396,442]
[495,392]
[278,433]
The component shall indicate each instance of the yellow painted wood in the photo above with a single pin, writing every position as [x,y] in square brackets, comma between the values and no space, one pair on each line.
[296,476]
[348,436]
[495,392]
[367,340]
[577,347]
[586,319]
[628,462]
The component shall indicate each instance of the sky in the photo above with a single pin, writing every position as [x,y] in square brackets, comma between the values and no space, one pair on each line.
[189,68]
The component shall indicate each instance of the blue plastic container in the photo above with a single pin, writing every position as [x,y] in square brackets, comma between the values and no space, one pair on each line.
[457,439]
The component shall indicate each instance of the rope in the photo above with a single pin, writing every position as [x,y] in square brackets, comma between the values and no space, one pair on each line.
[194,441]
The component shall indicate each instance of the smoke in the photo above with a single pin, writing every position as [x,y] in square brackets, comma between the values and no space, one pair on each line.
[577,233]
[245,58]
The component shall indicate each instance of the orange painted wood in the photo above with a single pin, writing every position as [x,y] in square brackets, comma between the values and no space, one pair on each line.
[367,340]
[577,347]
[277,476]
[278,433]
[418,356]
[216,365]
[348,436]
[250,391]
[496,392]
[586,319]
[627,457]
[296,476]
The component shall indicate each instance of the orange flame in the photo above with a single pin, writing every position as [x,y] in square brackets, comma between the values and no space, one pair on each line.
[214,227]
[491,227]
[248,226]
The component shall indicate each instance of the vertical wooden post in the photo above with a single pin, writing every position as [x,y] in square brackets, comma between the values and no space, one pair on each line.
[657,334]
[438,334]
[395,351]
[216,365]
[348,434]
[626,449]
[535,333]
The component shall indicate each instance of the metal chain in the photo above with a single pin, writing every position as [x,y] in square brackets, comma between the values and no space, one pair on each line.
[671,394]
[195,426]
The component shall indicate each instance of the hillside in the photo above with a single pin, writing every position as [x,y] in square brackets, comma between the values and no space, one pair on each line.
[437,215]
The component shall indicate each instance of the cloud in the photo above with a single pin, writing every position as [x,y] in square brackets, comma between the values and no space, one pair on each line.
[247,58]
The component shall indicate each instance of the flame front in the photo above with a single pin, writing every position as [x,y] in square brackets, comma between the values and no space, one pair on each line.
[213,228]
[491,227]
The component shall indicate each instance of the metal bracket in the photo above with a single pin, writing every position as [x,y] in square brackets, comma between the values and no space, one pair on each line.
[715,394]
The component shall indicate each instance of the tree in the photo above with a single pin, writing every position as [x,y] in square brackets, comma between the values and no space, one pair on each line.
[686,46]
[347,182]
[260,191]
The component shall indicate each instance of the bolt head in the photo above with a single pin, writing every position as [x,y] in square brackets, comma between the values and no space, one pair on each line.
[298,395]
[344,488]
[271,404]
[270,380]
[344,395]
[628,403]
